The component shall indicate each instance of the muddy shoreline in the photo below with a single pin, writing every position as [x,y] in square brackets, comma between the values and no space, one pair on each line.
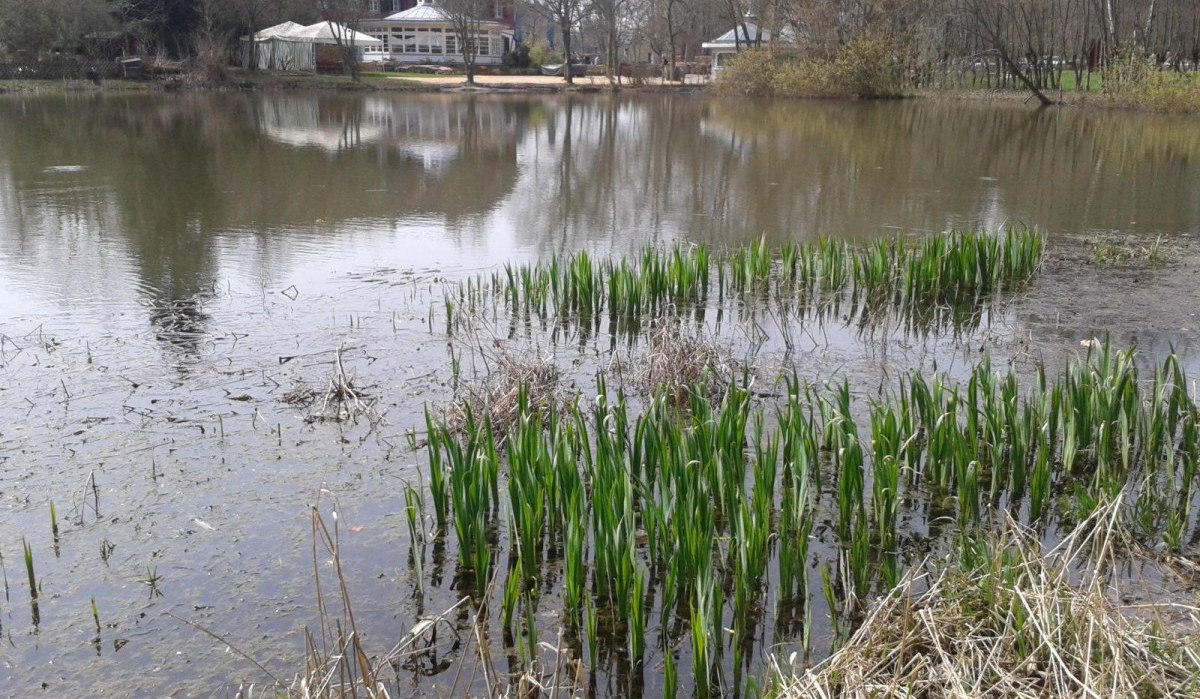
[512,85]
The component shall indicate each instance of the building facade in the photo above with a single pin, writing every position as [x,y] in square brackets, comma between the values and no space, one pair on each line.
[424,33]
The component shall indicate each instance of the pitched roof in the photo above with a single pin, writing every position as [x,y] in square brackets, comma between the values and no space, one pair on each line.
[329,33]
[748,33]
[423,11]
[284,28]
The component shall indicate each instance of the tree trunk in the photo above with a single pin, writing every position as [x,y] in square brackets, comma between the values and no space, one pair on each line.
[1149,23]
[1110,24]
[1020,75]
[565,27]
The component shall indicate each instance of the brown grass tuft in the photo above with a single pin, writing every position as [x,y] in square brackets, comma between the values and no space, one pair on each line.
[1012,621]
[679,362]
[496,398]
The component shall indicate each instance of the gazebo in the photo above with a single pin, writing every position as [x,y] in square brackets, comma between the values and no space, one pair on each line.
[425,34]
[744,35]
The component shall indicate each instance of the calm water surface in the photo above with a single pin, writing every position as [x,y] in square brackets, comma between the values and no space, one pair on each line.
[171,267]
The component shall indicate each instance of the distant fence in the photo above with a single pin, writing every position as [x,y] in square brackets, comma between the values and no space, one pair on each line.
[61,70]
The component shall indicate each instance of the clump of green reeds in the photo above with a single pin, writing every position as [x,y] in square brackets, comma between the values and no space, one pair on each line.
[693,505]
[1110,250]
[919,278]
[1007,619]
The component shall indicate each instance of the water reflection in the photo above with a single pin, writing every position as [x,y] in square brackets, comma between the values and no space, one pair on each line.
[158,230]
[160,198]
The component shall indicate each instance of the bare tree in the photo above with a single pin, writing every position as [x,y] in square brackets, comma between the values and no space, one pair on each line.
[613,16]
[994,20]
[344,14]
[465,17]
[249,14]
[664,29]
[566,15]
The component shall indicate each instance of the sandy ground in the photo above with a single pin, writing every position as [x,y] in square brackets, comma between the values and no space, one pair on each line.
[547,81]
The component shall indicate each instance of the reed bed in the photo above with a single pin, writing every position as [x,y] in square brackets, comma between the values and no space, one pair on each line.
[497,398]
[675,529]
[1006,619]
[679,361]
[934,280]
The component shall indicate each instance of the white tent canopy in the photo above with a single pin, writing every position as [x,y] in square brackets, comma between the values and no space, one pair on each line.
[330,33]
[275,48]
[282,29]
[293,47]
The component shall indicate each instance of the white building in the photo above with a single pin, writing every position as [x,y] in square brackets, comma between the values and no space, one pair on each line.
[743,36]
[425,34]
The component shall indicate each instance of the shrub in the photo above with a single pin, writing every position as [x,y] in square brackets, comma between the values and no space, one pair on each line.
[1135,81]
[519,57]
[752,72]
[867,67]
[864,67]
[541,54]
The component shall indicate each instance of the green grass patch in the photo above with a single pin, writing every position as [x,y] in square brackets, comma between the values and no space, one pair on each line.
[1115,250]
[1091,82]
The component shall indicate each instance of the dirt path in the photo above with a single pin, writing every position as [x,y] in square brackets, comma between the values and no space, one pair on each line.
[526,81]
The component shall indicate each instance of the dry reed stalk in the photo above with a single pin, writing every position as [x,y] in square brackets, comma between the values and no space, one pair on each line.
[1020,623]
[497,398]
[339,399]
[680,361]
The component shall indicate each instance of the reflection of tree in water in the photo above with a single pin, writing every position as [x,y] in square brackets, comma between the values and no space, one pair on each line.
[167,176]
[171,204]
[159,189]
[181,324]
[731,171]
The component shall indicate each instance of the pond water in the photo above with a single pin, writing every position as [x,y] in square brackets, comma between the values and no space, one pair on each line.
[175,269]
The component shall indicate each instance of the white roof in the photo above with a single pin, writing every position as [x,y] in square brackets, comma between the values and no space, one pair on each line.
[748,33]
[277,30]
[330,32]
[423,11]
[432,12]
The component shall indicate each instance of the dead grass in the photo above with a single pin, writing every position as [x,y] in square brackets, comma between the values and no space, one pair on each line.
[680,361]
[1015,622]
[497,397]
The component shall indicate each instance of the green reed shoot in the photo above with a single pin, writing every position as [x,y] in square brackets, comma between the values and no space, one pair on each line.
[4,571]
[33,589]
[670,686]
[637,618]
[925,280]
[34,610]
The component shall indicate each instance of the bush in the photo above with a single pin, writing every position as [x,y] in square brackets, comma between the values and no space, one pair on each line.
[1135,81]
[864,67]
[518,58]
[541,54]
